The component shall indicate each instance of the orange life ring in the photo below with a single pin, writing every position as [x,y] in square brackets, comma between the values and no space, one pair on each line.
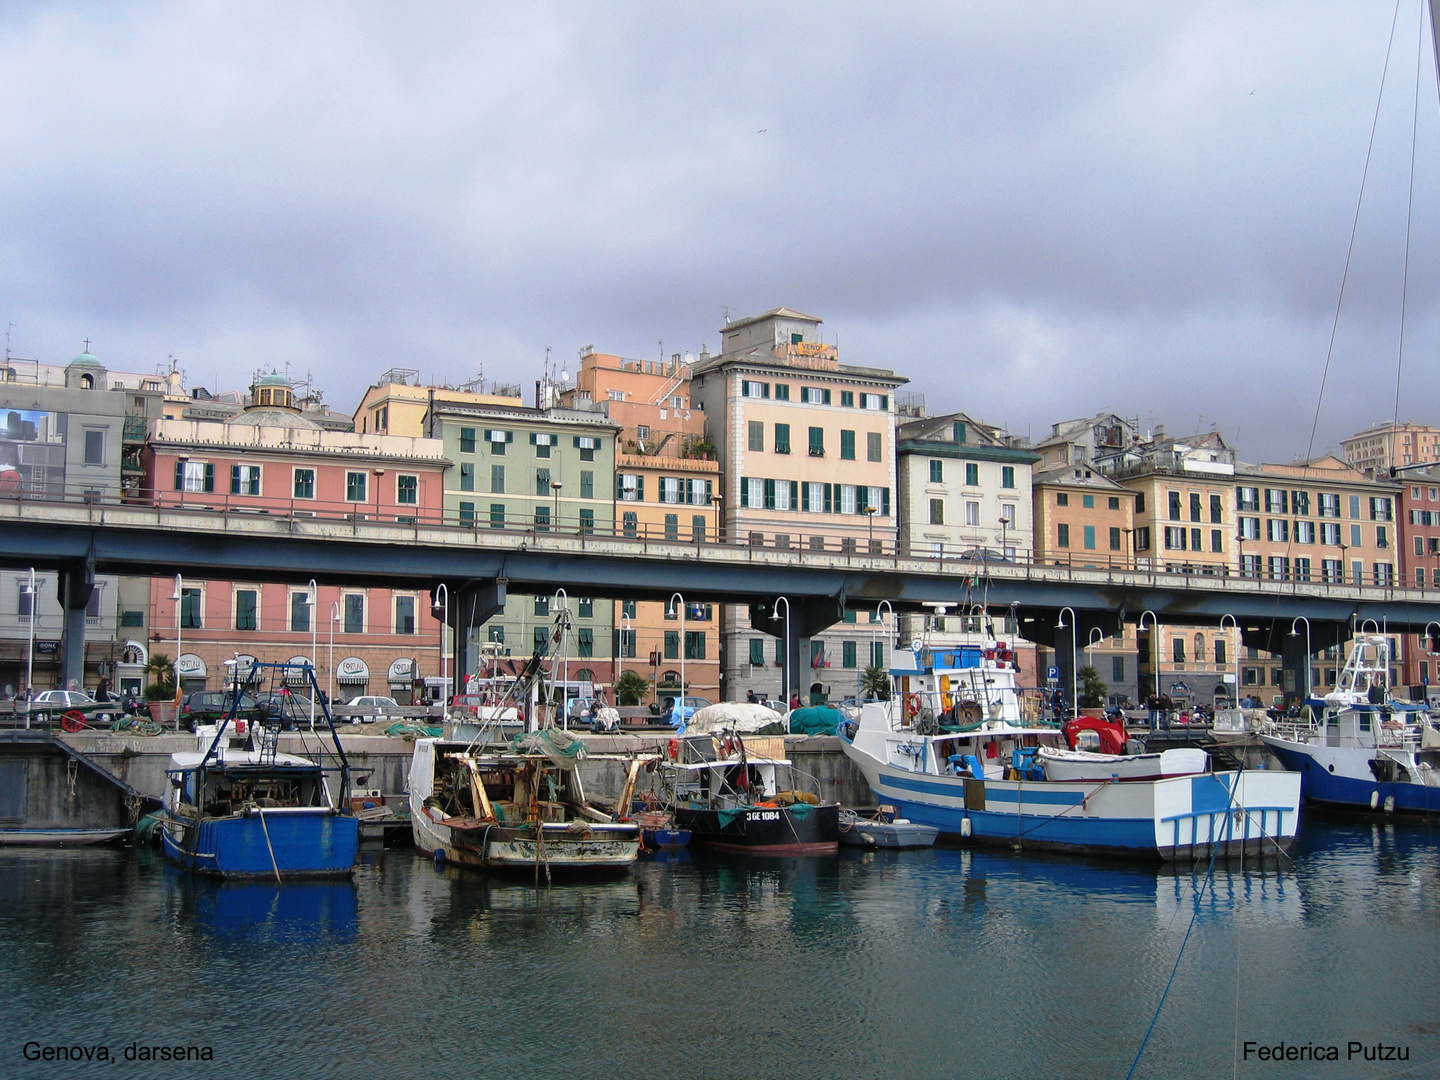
[912,705]
[672,749]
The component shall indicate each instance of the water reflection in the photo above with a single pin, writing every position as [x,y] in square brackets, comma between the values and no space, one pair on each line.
[264,913]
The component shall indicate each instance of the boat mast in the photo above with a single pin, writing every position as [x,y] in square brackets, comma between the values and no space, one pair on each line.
[1435,39]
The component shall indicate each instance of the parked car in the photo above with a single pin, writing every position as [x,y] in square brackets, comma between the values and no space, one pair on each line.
[288,707]
[978,554]
[208,706]
[675,715]
[64,699]
[378,705]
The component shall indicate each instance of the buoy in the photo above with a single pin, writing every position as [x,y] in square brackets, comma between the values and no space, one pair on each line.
[1374,799]
[964,826]
[1389,804]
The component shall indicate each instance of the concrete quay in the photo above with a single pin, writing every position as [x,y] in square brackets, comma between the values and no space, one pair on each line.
[381,762]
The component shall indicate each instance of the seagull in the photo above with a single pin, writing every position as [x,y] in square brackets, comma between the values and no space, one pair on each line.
[763,130]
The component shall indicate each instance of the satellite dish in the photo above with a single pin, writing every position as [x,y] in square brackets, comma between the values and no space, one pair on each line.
[564,376]
[689,357]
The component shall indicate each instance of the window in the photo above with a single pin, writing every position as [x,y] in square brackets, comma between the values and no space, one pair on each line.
[672,644]
[669,489]
[849,499]
[1217,541]
[540,640]
[244,479]
[1062,499]
[467,440]
[542,481]
[972,476]
[587,522]
[1248,498]
[1277,530]
[1174,539]
[1007,476]
[874,401]
[94,446]
[1302,569]
[937,511]
[757,650]
[1062,536]
[1115,539]
[356,486]
[1278,568]
[782,391]
[354,613]
[872,446]
[972,513]
[814,395]
[497,515]
[629,523]
[300,612]
[1177,650]
[1087,502]
[194,477]
[754,389]
[1249,528]
[497,479]
[542,519]
[629,487]
[847,445]
[1277,501]
[1300,503]
[1329,533]
[467,475]
[757,435]
[1304,532]
[615,395]
[672,526]
[1195,506]
[697,528]
[587,485]
[816,498]
[191,601]
[782,438]
[1355,538]
[817,442]
[847,398]
[304,484]
[1384,573]
[1139,502]
[1117,669]
[1089,537]
[694,644]
[627,609]
[1380,509]
[587,444]
[1113,503]
[847,654]
[1219,650]
[1142,538]
[498,441]
[1174,505]
[625,643]
[585,642]
[407,490]
[1217,512]
[247,609]
[1354,506]
[1328,505]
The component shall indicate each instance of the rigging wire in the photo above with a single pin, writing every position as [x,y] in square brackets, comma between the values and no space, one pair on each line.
[1409,212]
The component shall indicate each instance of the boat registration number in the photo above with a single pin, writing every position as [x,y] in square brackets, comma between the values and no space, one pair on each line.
[763,815]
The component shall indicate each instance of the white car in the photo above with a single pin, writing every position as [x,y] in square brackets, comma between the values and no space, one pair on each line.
[371,701]
[65,699]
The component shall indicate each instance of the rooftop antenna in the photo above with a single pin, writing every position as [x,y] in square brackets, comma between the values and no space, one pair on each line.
[726,308]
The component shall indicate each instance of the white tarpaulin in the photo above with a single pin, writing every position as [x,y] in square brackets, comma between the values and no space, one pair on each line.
[732,716]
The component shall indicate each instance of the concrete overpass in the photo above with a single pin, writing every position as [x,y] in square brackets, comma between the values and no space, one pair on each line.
[481,565]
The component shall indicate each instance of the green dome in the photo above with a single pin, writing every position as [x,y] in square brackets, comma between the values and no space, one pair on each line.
[270,380]
[86,359]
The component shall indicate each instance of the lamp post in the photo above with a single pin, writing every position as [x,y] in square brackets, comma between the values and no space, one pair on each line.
[562,605]
[1004,536]
[719,501]
[1344,547]
[785,668]
[30,657]
[1240,554]
[441,607]
[312,600]
[1074,679]
[1299,619]
[334,618]
[179,598]
[1236,627]
[627,630]
[555,490]
[674,598]
[870,529]
[885,622]
[1090,645]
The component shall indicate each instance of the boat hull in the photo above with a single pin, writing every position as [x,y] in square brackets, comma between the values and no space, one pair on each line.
[600,848]
[62,837]
[1183,818]
[780,830]
[1340,777]
[293,842]
[886,834]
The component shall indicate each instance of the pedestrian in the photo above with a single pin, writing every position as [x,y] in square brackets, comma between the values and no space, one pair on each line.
[1167,706]
[1152,704]
[750,697]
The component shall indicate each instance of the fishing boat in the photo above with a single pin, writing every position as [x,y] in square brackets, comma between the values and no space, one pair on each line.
[1357,748]
[884,830]
[518,808]
[740,793]
[237,808]
[959,749]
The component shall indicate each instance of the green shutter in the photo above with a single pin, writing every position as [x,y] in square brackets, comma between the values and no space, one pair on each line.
[769,494]
[209,476]
[744,492]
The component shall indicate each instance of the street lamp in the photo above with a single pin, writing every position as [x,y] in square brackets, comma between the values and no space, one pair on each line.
[1154,644]
[334,618]
[441,608]
[1004,535]
[719,501]
[312,600]
[179,598]
[1074,678]
[1240,554]
[30,661]
[870,526]
[555,489]
[1090,645]
[885,622]
[1299,619]
[627,631]
[562,606]
[1344,547]
[674,597]
[785,668]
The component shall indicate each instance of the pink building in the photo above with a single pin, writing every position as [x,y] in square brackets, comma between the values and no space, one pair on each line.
[272,459]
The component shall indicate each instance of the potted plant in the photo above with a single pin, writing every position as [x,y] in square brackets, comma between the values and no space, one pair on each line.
[160,692]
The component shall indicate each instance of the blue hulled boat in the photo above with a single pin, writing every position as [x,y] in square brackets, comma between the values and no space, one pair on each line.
[1358,748]
[237,808]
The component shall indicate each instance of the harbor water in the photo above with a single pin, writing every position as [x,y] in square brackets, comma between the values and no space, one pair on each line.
[938,963]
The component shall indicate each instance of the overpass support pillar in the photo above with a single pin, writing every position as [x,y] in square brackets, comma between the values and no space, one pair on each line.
[476,603]
[75,586]
[1295,667]
[806,617]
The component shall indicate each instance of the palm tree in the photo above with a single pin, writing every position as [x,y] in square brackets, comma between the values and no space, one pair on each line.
[875,683]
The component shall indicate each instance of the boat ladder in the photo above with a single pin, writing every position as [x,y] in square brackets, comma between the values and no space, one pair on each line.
[269,738]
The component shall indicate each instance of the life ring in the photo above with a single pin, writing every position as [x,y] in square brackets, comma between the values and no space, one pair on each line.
[912,705]
[672,749]
[72,720]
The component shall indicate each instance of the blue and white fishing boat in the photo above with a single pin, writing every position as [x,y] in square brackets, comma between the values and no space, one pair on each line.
[958,749]
[237,808]
[1359,749]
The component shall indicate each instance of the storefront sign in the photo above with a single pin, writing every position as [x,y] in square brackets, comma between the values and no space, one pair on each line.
[402,672]
[352,670]
[296,676]
[190,666]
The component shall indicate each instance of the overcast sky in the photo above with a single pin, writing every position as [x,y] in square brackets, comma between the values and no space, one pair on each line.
[1033,211]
